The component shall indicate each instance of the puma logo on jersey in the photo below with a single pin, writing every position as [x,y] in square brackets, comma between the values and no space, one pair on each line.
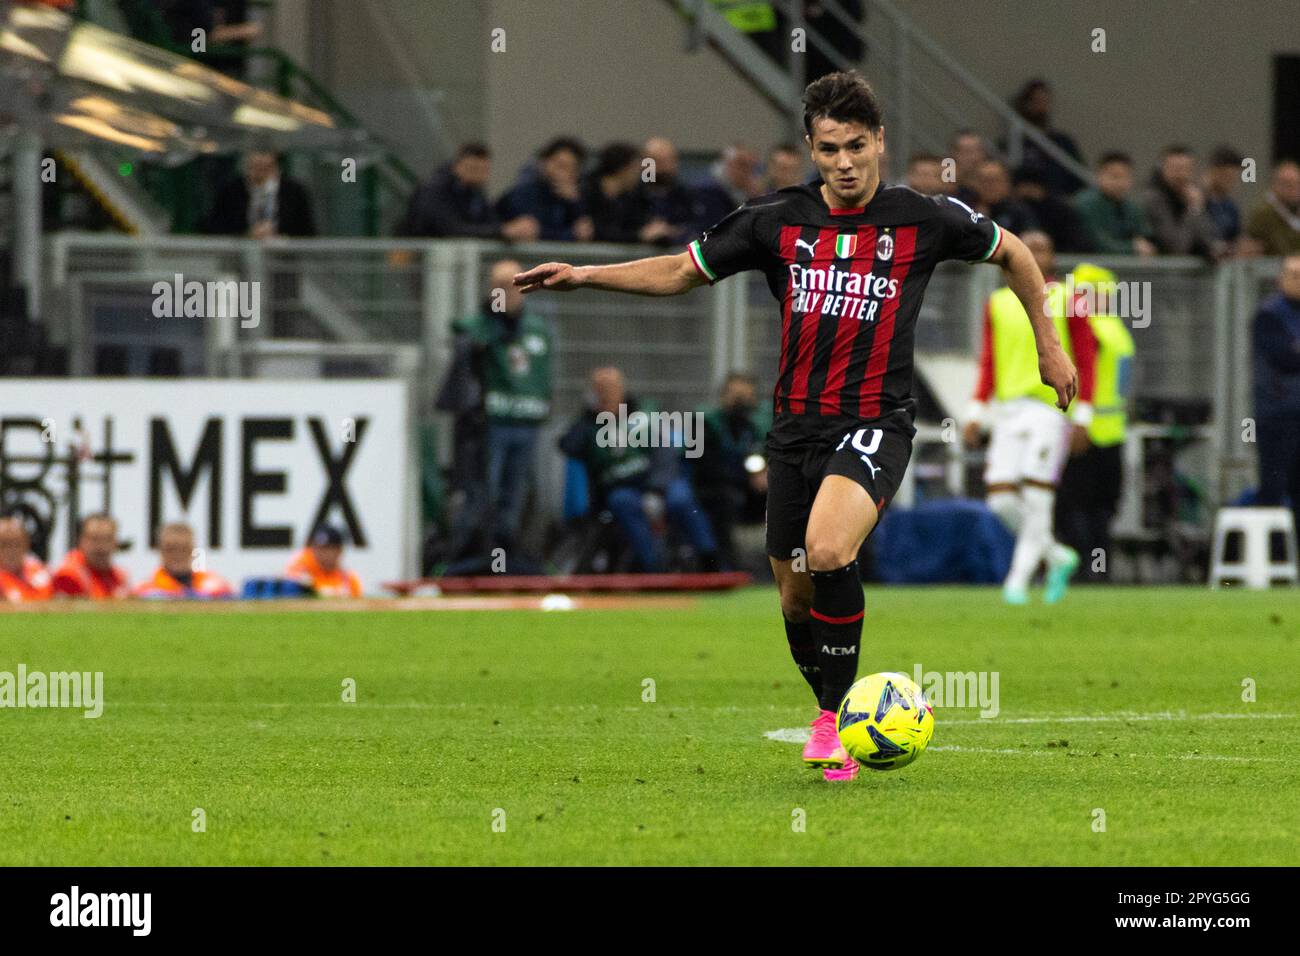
[864,448]
[810,246]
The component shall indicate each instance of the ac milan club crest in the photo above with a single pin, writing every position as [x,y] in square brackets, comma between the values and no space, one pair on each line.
[885,247]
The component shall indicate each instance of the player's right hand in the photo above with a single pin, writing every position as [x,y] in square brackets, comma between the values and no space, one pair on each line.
[1057,371]
[555,276]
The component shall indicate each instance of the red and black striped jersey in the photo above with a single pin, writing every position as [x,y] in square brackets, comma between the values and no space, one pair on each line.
[849,282]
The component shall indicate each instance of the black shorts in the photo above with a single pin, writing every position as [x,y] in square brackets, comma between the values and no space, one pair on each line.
[875,458]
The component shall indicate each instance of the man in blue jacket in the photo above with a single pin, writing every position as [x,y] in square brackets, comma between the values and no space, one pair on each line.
[1277,390]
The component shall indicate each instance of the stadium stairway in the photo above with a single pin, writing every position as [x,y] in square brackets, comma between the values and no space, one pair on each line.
[150,199]
[931,93]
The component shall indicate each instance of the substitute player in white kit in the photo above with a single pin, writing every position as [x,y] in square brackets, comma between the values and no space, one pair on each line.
[1031,438]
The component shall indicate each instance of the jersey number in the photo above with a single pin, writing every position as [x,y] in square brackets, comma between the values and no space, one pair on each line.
[864,447]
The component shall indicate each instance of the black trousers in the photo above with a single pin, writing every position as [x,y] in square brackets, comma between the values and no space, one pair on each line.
[1277,441]
[1086,501]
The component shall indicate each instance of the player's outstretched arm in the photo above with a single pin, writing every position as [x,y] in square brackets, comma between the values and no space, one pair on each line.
[1026,280]
[658,275]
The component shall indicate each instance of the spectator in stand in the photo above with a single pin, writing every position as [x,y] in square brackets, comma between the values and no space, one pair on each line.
[730,477]
[845,39]
[614,200]
[993,198]
[665,195]
[454,203]
[968,153]
[554,196]
[1034,105]
[1277,390]
[925,174]
[1220,183]
[785,167]
[262,203]
[1055,216]
[88,570]
[734,181]
[319,566]
[22,576]
[1274,224]
[181,576]
[1116,222]
[1175,207]
[511,356]
[630,479]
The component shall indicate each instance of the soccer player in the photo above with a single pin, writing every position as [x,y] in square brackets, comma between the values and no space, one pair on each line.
[178,578]
[848,261]
[1031,439]
[22,576]
[88,570]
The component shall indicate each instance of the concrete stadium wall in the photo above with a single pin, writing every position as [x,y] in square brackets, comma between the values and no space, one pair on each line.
[1192,71]
[1197,71]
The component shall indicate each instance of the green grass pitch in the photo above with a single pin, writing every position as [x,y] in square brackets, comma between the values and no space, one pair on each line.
[1127,702]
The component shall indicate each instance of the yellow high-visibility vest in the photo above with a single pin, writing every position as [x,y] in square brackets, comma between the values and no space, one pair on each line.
[1015,356]
[747,16]
[1114,361]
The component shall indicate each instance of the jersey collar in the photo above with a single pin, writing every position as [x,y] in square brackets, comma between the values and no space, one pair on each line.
[853,211]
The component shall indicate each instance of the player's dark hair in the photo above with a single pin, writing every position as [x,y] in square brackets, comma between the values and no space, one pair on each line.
[1114,156]
[845,97]
[474,148]
[570,143]
[1177,149]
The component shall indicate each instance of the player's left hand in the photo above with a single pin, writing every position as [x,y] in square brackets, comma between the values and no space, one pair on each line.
[555,276]
[1058,372]
[1079,440]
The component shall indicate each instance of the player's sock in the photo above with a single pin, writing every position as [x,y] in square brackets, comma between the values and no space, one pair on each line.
[1035,535]
[804,652]
[837,611]
[1007,506]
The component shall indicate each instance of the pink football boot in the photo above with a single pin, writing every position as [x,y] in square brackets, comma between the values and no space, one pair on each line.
[824,749]
[846,772]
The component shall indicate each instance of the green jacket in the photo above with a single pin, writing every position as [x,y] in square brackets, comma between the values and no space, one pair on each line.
[1114,225]
[513,361]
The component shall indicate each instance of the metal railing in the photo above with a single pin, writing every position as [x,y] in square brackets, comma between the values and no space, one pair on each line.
[930,94]
[358,298]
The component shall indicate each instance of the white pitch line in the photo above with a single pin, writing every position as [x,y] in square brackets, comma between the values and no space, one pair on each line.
[1116,718]
[1027,752]
[798,735]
